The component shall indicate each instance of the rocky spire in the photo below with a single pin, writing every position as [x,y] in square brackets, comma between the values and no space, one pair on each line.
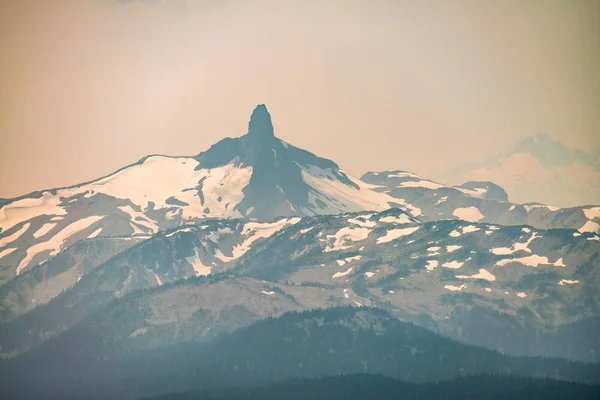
[260,123]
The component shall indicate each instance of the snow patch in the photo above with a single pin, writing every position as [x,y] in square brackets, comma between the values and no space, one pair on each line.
[530,207]
[567,282]
[470,229]
[515,247]
[138,332]
[187,229]
[400,219]
[226,183]
[260,230]
[158,178]
[15,235]
[559,263]
[95,233]
[219,255]
[483,274]
[341,274]
[348,199]
[455,288]
[531,261]
[364,224]
[591,213]
[423,184]
[6,252]
[441,200]
[199,268]
[348,297]
[44,230]
[22,210]
[590,226]
[477,192]
[346,234]
[56,242]
[156,277]
[431,265]
[393,234]
[136,229]
[139,218]
[415,211]
[471,214]
[453,264]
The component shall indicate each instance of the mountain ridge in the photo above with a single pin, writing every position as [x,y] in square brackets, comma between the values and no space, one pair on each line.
[445,275]
[254,176]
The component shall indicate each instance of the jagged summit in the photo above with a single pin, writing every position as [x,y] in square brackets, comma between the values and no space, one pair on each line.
[283,177]
[260,123]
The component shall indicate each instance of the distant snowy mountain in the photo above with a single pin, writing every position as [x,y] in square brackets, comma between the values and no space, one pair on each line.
[253,176]
[538,169]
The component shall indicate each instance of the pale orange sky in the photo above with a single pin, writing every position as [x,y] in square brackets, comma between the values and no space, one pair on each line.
[88,86]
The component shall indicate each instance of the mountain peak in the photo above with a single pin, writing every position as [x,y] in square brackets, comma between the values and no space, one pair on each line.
[552,152]
[539,140]
[260,123]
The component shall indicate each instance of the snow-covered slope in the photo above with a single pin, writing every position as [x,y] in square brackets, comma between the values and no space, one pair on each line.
[178,253]
[254,176]
[538,169]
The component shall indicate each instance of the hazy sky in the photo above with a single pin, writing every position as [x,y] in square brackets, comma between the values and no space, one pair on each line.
[88,86]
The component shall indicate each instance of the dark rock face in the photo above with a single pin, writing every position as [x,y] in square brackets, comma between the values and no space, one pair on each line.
[276,187]
[260,123]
